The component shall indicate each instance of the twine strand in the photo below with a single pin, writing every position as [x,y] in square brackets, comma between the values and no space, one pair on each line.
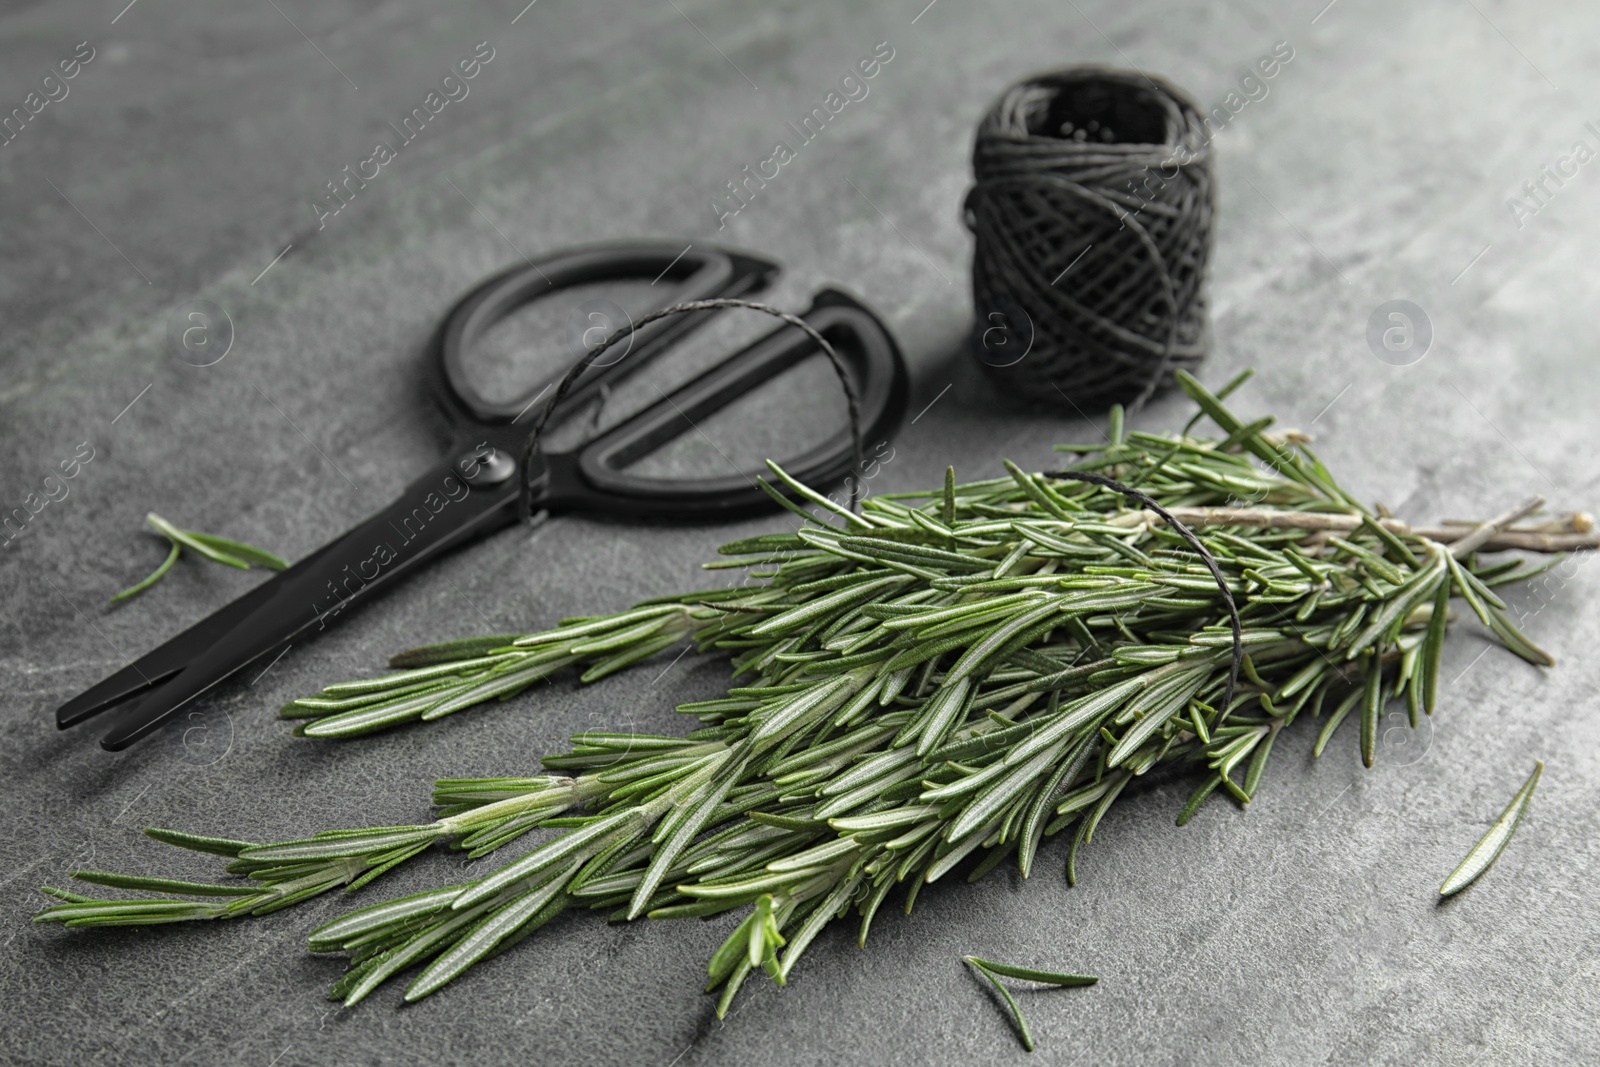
[1146,500]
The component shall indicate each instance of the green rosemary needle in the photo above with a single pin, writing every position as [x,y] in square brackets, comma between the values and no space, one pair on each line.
[995,971]
[222,550]
[938,683]
[1489,847]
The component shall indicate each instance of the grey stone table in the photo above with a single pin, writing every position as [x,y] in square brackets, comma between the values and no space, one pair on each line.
[1387,160]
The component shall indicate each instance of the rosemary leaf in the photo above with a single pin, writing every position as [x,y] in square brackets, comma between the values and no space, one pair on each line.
[1489,847]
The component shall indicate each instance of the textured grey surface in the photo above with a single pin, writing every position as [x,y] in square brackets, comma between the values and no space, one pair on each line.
[1303,931]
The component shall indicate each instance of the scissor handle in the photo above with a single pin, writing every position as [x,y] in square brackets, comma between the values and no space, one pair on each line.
[593,477]
[692,273]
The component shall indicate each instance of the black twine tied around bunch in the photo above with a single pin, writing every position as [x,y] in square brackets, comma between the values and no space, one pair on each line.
[852,400]
[1091,211]
[1194,542]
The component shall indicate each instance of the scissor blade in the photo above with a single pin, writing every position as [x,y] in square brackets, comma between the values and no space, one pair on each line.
[163,662]
[156,666]
[437,512]
[131,680]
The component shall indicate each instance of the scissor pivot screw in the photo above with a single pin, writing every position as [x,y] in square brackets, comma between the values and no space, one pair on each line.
[476,470]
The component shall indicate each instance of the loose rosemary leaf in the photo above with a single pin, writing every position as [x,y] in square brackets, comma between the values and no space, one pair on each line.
[155,576]
[1489,847]
[217,549]
[1032,975]
[995,971]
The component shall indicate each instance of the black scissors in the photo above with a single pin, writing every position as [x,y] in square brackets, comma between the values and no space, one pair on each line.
[479,488]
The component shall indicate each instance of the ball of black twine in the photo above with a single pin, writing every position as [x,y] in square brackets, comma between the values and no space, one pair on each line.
[1092,211]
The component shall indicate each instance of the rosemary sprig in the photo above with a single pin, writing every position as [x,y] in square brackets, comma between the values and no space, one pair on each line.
[939,682]
[222,550]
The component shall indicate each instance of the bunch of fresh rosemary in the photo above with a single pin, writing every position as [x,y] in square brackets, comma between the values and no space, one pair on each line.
[944,676]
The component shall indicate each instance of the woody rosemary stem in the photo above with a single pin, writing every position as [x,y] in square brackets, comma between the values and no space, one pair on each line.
[1574,532]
